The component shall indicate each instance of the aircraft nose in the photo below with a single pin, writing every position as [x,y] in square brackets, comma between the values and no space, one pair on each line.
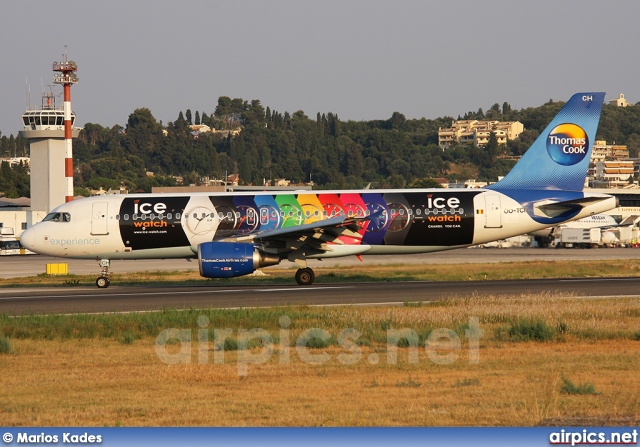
[28,239]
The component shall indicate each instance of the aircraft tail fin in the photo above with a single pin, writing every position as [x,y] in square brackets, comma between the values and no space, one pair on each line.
[558,159]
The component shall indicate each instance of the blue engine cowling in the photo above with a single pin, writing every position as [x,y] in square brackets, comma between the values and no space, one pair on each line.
[231,259]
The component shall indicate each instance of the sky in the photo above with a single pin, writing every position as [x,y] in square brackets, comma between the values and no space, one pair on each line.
[361,59]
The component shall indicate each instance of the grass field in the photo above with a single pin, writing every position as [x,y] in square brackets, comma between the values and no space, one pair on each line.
[529,360]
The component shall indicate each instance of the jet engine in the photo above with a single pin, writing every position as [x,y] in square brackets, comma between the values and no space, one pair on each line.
[231,259]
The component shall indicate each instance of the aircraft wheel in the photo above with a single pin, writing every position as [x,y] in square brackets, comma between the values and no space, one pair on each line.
[102,282]
[305,277]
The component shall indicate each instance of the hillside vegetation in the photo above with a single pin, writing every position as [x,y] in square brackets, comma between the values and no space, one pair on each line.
[396,152]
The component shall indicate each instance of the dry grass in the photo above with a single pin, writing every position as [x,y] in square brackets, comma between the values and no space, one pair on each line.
[98,382]
[104,381]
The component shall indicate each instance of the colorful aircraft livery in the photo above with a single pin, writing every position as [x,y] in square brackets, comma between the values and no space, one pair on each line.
[392,218]
[233,234]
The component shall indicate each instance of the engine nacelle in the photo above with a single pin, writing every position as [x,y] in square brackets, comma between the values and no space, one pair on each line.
[231,259]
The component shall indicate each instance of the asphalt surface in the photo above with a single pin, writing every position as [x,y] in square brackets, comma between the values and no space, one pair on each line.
[125,299]
[31,265]
[17,301]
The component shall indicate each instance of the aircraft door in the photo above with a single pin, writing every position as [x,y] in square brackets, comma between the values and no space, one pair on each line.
[99,218]
[494,215]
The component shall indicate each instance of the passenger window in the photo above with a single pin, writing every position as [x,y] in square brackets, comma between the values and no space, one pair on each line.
[177,216]
[169,215]
[126,217]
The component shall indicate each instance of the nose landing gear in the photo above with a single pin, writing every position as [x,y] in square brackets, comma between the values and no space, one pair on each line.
[103,280]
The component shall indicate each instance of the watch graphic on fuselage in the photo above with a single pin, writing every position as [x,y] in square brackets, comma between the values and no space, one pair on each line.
[332,210]
[400,217]
[378,217]
[249,219]
[227,221]
[269,218]
[354,210]
[291,215]
[200,220]
[312,213]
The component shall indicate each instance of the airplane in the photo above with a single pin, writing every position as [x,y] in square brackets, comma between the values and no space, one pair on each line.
[234,234]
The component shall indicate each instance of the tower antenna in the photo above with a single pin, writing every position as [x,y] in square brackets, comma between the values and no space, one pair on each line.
[65,74]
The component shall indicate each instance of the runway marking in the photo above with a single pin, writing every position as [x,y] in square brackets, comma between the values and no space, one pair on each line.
[177,292]
[598,279]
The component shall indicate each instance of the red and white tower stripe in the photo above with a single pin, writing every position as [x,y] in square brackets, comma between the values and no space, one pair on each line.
[66,75]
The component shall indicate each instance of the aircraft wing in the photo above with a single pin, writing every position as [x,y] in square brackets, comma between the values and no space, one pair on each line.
[310,239]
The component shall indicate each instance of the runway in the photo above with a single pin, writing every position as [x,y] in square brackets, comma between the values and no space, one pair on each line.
[18,301]
[32,265]
[126,299]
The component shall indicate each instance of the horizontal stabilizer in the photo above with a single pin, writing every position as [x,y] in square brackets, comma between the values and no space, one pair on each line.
[553,209]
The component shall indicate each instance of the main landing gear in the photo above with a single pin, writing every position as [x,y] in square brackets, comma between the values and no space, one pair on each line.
[305,276]
[103,280]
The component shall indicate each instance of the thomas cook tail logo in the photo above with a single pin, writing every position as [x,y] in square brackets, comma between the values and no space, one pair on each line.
[567,144]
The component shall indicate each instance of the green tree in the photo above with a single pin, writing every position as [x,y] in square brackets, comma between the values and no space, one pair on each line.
[224,107]
[426,182]
[492,147]
[7,181]
[143,135]
[397,121]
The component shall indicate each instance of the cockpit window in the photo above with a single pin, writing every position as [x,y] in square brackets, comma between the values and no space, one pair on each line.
[57,217]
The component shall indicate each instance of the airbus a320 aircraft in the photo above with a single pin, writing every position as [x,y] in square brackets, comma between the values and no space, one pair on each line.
[233,234]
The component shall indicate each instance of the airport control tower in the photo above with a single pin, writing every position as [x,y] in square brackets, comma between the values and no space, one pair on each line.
[50,130]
